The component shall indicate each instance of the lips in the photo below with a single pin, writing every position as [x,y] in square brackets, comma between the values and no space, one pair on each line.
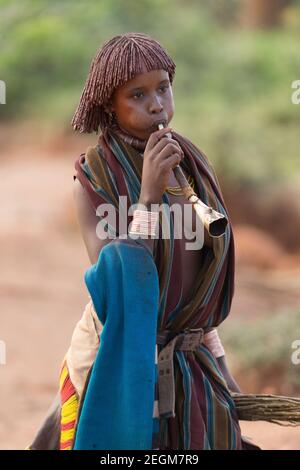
[155,124]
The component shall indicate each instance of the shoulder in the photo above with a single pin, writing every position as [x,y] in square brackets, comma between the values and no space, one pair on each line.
[78,189]
[85,186]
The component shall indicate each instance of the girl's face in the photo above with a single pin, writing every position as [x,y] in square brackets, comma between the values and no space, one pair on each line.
[143,102]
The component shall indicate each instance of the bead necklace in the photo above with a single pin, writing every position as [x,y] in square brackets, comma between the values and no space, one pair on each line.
[177,190]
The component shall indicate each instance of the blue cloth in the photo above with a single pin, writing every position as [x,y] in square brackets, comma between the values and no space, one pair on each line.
[117,411]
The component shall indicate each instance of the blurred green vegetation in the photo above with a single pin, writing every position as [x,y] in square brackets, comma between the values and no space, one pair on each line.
[232,87]
[264,345]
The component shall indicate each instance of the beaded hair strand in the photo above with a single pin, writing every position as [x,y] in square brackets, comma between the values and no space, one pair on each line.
[116,62]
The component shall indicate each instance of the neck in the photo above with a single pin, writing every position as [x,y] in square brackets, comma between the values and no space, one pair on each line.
[135,142]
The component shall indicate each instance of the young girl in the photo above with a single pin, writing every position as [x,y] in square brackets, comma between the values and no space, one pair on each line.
[145,368]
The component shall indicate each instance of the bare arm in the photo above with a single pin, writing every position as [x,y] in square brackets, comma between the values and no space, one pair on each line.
[87,221]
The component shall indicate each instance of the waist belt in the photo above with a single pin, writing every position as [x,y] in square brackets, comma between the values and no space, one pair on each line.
[188,340]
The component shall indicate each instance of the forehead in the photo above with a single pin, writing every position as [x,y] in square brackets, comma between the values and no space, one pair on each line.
[146,79]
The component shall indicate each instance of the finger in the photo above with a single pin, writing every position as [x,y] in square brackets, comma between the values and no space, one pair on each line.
[160,145]
[164,142]
[168,150]
[156,136]
[172,161]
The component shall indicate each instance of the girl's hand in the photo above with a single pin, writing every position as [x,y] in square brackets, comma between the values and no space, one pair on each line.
[161,155]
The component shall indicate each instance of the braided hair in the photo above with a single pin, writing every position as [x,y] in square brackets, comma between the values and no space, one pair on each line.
[116,62]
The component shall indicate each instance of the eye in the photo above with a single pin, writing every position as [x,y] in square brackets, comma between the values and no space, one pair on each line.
[137,94]
[164,88]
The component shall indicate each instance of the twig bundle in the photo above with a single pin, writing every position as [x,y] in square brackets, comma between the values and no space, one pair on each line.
[284,411]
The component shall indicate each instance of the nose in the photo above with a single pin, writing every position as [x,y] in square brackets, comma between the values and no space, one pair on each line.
[155,105]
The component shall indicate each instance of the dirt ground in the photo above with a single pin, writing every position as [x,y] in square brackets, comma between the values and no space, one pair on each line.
[43,294]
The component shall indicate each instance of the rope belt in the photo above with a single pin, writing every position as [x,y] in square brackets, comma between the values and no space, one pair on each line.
[188,340]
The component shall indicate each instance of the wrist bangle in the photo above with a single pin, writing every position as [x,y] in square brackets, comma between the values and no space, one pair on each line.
[213,342]
[144,223]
